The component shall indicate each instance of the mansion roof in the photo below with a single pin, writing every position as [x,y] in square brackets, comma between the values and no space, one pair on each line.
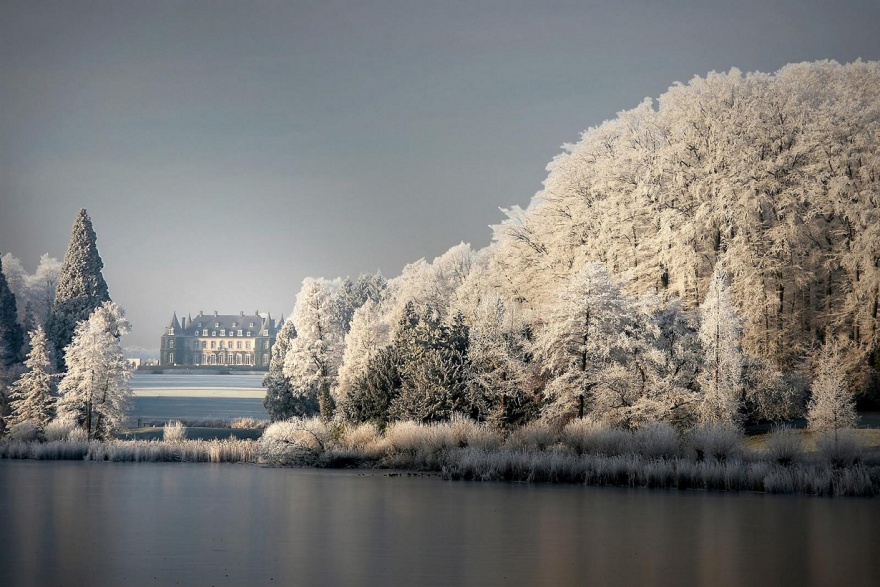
[215,324]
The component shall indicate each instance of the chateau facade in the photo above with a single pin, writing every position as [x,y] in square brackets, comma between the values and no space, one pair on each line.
[219,339]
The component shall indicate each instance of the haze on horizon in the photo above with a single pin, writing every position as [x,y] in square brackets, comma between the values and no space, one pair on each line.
[225,150]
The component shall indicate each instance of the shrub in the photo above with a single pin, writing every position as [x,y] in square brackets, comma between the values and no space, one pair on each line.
[839,448]
[174,431]
[26,431]
[536,435]
[77,434]
[59,429]
[784,445]
[656,440]
[297,441]
[718,441]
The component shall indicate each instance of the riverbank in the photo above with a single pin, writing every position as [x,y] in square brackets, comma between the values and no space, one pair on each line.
[581,453]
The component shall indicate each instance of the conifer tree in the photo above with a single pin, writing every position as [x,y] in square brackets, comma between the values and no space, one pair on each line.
[11,335]
[33,395]
[280,401]
[81,287]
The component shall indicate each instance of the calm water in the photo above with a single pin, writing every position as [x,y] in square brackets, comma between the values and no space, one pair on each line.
[79,523]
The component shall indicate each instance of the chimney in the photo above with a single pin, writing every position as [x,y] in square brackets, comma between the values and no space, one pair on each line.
[215,313]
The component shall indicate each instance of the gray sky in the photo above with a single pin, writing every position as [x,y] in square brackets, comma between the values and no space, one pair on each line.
[227,150]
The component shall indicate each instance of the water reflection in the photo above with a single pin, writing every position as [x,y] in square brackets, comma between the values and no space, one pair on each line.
[163,524]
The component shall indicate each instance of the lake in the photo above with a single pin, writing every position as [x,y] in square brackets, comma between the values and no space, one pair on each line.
[196,396]
[85,523]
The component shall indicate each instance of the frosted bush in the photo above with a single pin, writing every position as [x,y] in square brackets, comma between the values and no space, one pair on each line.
[717,441]
[360,436]
[656,440]
[840,448]
[579,434]
[59,429]
[294,442]
[174,431]
[77,435]
[405,436]
[533,436]
[26,431]
[784,445]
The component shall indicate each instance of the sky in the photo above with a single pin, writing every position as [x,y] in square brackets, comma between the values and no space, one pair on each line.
[227,150]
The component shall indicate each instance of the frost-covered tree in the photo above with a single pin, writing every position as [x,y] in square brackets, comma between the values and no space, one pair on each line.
[832,406]
[774,173]
[81,286]
[11,335]
[96,390]
[369,333]
[584,335]
[312,362]
[33,394]
[720,333]
[354,294]
[280,401]
[500,366]
[37,290]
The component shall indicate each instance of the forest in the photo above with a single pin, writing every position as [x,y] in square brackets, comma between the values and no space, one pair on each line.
[709,257]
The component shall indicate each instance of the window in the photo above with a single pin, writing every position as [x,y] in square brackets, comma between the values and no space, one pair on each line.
[251,326]
[238,359]
[238,345]
[265,360]
[247,344]
[265,344]
[171,332]
[213,333]
[200,324]
[212,360]
[171,344]
[239,333]
[213,344]
[265,333]
[204,344]
[221,344]
[223,333]
[249,333]
[204,332]
[216,325]
[195,344]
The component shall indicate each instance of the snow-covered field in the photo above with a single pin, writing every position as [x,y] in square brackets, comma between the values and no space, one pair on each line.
[194,385]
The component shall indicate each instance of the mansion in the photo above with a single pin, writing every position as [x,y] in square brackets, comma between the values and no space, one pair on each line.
[219,339]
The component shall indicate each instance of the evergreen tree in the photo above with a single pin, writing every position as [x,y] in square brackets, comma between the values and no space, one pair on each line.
[373,392]
[96,388]
[11,335]
[81,287]
[33,395]
[280,401]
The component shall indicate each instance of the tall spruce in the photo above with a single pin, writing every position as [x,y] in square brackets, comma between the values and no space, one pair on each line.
[33,395]
[11,334]
[81,287]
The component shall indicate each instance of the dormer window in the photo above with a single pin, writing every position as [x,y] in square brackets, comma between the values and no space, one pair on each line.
[239,333]
[204,332]
[216,325]
[170,332]
[200,324]
[249,333]
[223,333]
[213,333]
[265,333]
[252,324]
